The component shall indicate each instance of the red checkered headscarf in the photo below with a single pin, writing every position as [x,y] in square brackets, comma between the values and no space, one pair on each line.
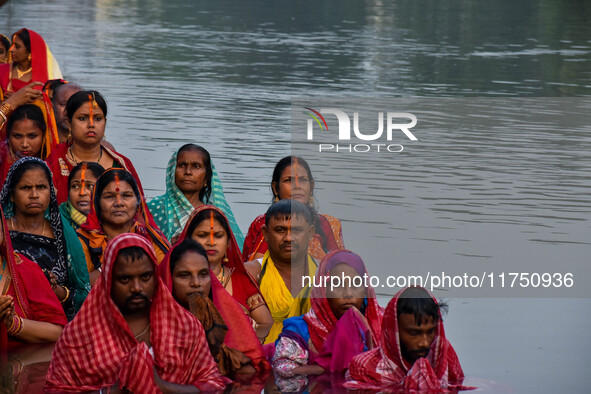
[385,367]
[98,348]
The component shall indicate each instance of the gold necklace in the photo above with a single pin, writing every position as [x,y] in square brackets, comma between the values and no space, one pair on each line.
[76,161]
[20,73]
[138,336]
[220,276]
[42,230]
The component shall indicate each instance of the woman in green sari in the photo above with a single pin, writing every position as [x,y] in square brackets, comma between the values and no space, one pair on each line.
[191,181]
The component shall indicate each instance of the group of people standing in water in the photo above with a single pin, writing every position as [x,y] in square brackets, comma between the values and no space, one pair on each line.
[168,295]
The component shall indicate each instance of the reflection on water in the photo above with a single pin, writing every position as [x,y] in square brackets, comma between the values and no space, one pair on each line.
[222,74]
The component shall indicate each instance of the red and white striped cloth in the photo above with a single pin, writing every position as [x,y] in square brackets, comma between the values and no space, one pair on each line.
[385,368]
[98,349]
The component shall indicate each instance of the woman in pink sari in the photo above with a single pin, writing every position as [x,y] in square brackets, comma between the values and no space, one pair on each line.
[342,322]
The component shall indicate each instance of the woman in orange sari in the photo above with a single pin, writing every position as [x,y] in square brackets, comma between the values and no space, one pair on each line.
[117,207]
[31,61]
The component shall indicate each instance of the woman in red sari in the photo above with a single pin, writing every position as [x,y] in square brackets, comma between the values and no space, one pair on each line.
[209,226]
[29,309]
[86,113]
[31,61]
[229,331]
[292,178]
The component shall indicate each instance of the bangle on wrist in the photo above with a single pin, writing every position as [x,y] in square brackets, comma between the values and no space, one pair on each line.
[66,296]
[16,327]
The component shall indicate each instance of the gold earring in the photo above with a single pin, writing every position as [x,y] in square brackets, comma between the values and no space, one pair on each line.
[276,198]
[225,260]
[29,57]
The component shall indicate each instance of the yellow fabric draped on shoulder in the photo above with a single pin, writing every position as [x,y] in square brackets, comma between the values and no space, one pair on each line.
[278,297]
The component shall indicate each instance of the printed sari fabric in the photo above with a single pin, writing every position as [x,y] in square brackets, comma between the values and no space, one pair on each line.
[326,340]
[172,210]
[98,348]
[61,166]
[331,227]
[281,303]
[94,241]
[62,255]
[384,368]
[25,282]
[43,64]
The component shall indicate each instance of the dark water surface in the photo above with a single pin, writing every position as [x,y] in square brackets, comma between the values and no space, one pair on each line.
[223,73]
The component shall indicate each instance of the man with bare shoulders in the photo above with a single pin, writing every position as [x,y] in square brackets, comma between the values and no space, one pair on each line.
[288,229]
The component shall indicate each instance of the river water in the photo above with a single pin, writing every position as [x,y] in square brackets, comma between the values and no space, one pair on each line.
[223,74]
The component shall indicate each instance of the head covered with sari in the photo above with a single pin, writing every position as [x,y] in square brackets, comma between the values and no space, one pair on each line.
[172,209]
[144,225]
[321,319]
[67,269]
[83,362]
[385,367]
[43,64]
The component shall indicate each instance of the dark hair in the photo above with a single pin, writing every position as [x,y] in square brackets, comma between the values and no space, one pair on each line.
[186,245]
[5,42]
[418,302]
[20,171]
[83,97]
[204,215]
[108,177]
[205,192]
[52,84]
[95,168]
[132,253]
[284,209]
[23,34]
[283,164]
[27,111]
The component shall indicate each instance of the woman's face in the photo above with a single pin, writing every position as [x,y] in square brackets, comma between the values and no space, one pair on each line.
[190,275]
[18,50]
[190,172]
[118,204]
[32,193]
[213,238]
[3,54]
[87,130]
[81,191]
[294,183]
[342,298]
[26,139]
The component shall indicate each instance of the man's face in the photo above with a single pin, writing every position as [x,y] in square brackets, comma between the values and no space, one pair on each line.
[133,284]
[288,239]
[415,340]
[59,104]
